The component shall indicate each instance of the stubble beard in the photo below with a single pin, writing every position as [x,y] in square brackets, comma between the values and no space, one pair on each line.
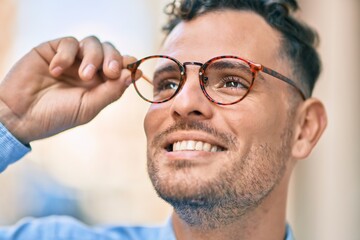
[232,194]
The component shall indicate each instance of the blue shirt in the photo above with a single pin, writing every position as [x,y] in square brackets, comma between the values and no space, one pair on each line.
[66,228]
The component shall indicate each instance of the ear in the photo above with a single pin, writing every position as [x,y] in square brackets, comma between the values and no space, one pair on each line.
[310,124]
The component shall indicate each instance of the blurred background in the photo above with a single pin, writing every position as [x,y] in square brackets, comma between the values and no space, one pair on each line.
[97,172]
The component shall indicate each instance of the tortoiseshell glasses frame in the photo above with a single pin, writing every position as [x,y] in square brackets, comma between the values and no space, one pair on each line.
[255,68]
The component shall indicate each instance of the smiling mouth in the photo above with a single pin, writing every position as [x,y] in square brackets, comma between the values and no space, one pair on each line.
[191,145]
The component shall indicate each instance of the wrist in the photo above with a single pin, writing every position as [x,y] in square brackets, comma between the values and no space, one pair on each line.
[10,121]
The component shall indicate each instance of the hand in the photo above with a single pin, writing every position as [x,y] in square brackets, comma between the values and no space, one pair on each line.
[61,84]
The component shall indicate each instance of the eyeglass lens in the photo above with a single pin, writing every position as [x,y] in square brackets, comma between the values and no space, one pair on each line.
[225,80]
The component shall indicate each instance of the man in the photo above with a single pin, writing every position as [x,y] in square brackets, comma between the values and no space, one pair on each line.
[231,115]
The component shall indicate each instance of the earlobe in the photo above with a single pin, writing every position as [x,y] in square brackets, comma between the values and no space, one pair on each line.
[311,123]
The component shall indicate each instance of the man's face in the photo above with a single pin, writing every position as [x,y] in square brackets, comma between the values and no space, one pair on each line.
[242,149]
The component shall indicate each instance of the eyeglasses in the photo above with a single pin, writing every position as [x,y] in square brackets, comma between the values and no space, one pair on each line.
[224,80]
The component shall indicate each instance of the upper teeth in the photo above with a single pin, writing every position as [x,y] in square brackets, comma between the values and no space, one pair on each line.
[195,145]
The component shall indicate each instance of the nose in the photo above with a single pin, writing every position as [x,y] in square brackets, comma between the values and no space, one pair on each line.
[191,103]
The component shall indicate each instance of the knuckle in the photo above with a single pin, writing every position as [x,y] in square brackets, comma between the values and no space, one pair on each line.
[37,49]
[91,38]
[41,46]
[111,49]
[108,44]
[70,40]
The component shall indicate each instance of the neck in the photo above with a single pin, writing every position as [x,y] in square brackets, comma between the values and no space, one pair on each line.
[265,222]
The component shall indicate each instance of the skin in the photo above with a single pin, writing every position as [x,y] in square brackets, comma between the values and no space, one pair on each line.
[239,193]
[263,136]
[75,78]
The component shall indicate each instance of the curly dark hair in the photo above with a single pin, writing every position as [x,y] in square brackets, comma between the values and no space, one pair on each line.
[299,40]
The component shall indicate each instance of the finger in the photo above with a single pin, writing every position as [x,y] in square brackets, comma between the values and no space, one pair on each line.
[126,60]
[92,55]
[66,50]
[109,91]
[112,61]
[102,95]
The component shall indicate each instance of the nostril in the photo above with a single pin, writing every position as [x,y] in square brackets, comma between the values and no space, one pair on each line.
[197,113]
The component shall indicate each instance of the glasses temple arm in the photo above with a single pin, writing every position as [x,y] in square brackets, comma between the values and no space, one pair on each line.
[285,79]
[133,68]
[146,78]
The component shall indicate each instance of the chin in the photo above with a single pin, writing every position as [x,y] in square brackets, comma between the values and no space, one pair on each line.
[180,182]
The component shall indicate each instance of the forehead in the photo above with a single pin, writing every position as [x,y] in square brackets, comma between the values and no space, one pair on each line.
[240,33]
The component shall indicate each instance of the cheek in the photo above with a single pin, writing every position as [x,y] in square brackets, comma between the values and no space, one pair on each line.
[256,124]
[154,119]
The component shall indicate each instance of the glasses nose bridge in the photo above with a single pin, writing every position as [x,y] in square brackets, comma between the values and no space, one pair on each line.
[192,63]
[185,64]
[184,73]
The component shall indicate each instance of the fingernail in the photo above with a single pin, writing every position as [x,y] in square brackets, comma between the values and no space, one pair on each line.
[114,66]
[57,71]
[89,71]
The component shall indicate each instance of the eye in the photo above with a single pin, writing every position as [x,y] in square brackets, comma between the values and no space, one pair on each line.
[166,81]
[234,82]
[167,84]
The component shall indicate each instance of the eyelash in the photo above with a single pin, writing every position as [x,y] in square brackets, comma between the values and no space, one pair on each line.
[236,79]
[160,86]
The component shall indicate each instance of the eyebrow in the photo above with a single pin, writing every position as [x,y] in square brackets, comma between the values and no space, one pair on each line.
[216,65]
[227,64]
[167,68]
[232,65]
[219,65]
